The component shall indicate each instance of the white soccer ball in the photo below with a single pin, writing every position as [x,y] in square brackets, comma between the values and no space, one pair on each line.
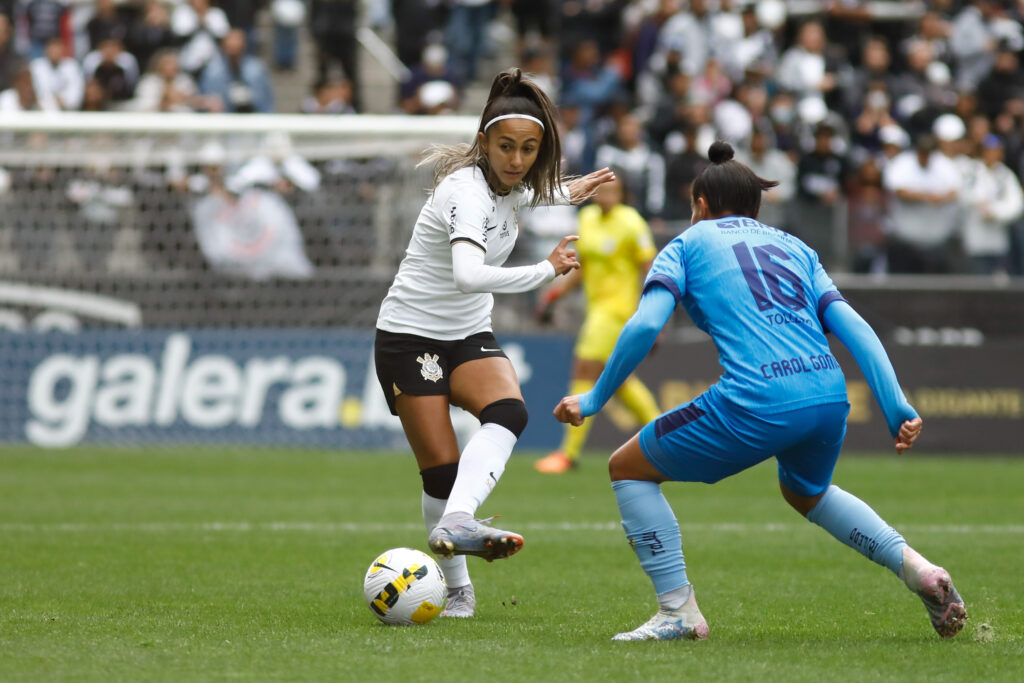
[404,586]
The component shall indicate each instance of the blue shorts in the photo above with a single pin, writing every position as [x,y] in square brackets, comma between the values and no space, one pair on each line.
[710,439]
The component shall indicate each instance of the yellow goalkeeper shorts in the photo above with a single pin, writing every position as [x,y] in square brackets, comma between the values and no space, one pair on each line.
[598,335]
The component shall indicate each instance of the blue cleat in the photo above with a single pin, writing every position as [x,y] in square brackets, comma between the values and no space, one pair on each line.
[460,534]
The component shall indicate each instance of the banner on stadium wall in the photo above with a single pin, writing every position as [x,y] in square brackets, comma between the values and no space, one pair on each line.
[970,396]
[318,388]
[297,387]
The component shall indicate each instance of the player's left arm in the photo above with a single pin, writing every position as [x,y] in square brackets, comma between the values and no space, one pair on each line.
[634,343]
[855,333]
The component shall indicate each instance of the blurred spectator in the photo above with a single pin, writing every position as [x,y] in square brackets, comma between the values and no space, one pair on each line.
[925,83]
[103,199]
[783,116]
[243,226]
[950,133]
[113,68]
[575,140]
[432,68]
[1004,83]
[754,51]
[588,82]
[644,168]
[239,79]
[535,23]
[466,33]
[875,67]
[242,14]
[821,181]
[923,186]
[935,30]
[330,97]
[165,87]
[288,17]
[95,96]
[539,63]
[894,140]
[58,76]
[10,60]
[22,96]
[993,201]
[648,32]
[804,69]
[872,118]
[711,85]
[150,33]
[199,27]
[333,24]
[105,23]
[597,20]
[682,168]
[867,221]
[689,34]
[46,19]
[669,111]
[772,164]
[973,41]
[417,24]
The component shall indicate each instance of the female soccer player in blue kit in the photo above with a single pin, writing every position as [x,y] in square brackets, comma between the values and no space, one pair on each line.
[767,303]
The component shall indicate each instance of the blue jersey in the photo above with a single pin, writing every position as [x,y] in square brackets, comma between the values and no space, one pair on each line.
[759,293]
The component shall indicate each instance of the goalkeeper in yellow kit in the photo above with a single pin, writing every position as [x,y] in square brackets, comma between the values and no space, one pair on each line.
[615,251]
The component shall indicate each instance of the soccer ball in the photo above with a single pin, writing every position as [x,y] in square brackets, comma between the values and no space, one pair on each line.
[405,586]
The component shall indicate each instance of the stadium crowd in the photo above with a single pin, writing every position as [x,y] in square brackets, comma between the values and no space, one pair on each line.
[896,129]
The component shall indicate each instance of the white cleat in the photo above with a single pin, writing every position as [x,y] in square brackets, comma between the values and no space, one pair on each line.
[685,623]
[935,587]
[461,602]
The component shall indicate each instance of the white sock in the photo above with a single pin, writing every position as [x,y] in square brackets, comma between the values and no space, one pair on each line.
[480,467]
[456,573]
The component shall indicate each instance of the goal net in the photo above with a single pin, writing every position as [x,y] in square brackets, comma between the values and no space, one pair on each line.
[207,220]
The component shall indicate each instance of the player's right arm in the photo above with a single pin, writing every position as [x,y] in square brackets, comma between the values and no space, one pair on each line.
[855,333]
[634,343]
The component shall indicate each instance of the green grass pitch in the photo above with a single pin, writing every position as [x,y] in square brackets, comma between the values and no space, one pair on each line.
[204,564]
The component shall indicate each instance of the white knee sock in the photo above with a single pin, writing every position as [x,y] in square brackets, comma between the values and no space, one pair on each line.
[480,467]
[456,573]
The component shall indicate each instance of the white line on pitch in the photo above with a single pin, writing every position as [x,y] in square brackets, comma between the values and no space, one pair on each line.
[372,527]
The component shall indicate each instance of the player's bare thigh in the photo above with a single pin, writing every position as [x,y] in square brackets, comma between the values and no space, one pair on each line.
[428,427]
[478,383]
[629,462]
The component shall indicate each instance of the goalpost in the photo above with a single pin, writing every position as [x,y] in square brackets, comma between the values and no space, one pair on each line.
[209,219]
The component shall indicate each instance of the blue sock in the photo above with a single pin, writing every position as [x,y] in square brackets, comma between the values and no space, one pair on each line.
[853,522]
[653,532]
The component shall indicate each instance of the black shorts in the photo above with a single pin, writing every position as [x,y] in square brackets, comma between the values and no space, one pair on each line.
[419,366]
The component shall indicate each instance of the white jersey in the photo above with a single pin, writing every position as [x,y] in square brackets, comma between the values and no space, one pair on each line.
[423,299]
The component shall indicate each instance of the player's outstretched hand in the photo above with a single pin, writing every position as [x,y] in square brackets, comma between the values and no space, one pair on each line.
[568,411]
[582,189]
[563,258]
[909,431]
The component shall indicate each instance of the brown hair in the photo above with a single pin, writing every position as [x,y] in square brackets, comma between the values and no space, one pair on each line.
[511,93]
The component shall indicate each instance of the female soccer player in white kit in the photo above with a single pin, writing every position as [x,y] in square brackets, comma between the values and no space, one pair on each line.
[434,344]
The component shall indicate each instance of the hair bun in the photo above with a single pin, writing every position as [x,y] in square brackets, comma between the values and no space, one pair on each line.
[720,151]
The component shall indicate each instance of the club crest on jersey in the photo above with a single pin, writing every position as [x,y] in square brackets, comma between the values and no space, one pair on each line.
[429,367]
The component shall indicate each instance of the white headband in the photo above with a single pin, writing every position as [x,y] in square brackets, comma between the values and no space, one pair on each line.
[514,116]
